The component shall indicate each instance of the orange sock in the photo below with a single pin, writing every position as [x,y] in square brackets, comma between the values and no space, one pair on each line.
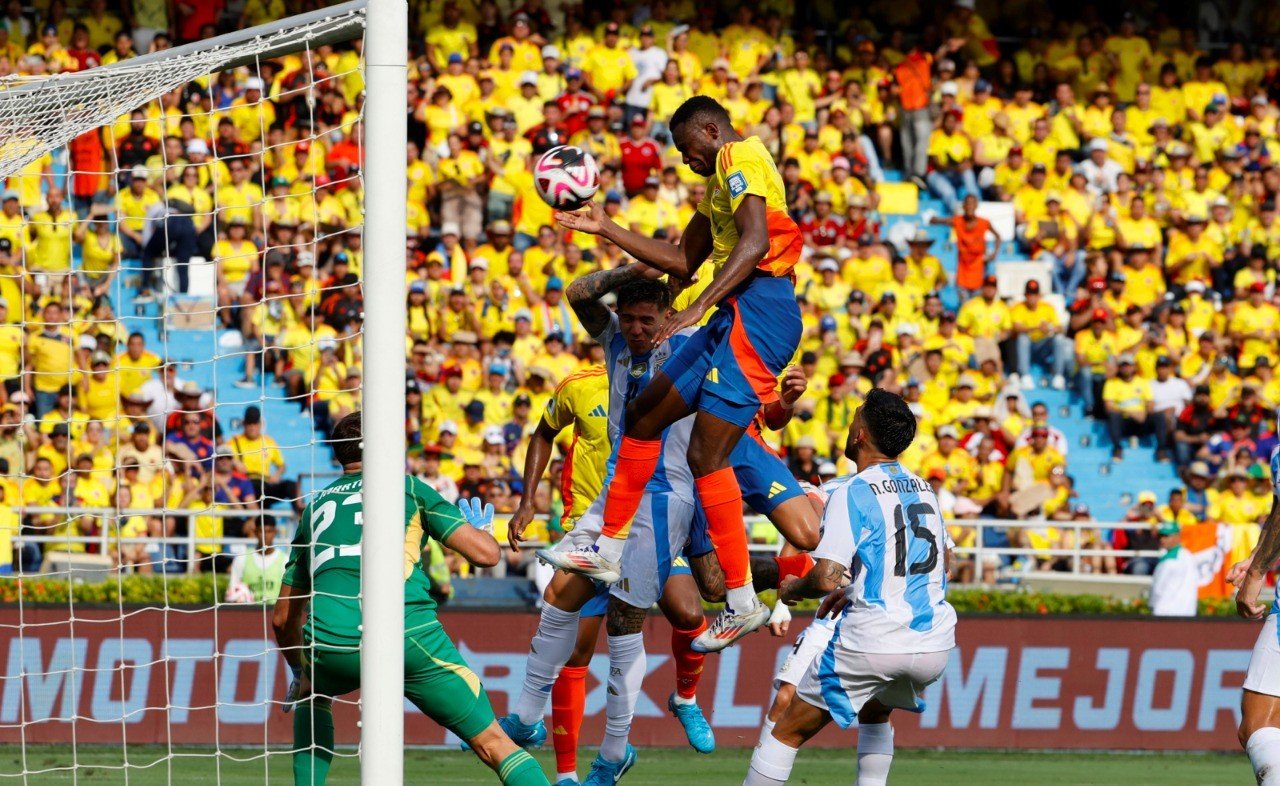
[637,461]
[568,698]
[793,565]
[688,662]
[722,502]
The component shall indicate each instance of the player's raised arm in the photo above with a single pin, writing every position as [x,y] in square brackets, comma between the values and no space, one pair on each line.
[680,260]
[585,292]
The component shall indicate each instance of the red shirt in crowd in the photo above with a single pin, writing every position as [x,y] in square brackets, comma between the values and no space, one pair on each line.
[640,158]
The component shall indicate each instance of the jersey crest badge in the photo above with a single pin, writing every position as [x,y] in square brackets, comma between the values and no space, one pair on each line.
[638,369]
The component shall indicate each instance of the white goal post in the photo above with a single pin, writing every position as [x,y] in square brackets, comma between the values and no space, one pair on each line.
[42,115]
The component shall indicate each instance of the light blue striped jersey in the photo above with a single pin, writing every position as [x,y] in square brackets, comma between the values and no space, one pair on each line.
[884,524]
[628,375]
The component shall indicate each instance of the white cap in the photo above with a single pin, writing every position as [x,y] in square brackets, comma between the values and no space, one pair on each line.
[449,426]
[950,89]
[253,83]
[140,173]
[830,264]
[551,50]
[450,228]
[479,262]
[198,146]
[529,78]
[1194,286]
[326,344]
[88,342]
[1097,143]
[493,436]
[827,468]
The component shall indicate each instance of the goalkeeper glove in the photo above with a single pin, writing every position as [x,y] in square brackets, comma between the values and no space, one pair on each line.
[294,693]
[477,514]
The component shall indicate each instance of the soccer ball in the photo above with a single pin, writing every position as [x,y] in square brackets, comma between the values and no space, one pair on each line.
[239,592]
[566,177]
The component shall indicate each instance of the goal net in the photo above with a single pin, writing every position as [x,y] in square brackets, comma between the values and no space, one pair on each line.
[180,326]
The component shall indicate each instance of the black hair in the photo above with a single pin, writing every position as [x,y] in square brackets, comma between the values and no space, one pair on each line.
[889,422]
[700,109]
[644,290]
[347,440]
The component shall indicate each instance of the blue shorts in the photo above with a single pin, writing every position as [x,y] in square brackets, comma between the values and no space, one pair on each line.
[597,606]
[730,367]
[765,481]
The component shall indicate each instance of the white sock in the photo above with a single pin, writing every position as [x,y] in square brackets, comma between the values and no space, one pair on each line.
[771,763]
[767,729]
[678,699]
[550,649]
[626,674]
[610,548]
[1263,748]
[875,753]
[741,599]
[566,776]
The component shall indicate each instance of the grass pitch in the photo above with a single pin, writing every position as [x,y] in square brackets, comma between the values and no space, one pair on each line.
[656,767]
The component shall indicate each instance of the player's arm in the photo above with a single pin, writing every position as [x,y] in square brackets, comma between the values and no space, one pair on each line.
[475,545]
[823,578]
[286,620]
[751,220]
[1263,558]
[678,260]
[777,414]
[536,459]
[585,292]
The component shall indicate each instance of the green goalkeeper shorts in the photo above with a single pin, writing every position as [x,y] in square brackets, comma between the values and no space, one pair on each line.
[436,679]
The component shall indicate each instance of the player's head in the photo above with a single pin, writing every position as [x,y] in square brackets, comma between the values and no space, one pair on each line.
[643,306]
[347,441]
[699,127]
[883,424]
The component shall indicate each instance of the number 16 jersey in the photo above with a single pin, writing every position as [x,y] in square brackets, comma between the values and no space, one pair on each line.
[884,524]
[325,558]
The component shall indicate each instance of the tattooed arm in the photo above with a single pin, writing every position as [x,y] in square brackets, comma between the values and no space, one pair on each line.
[1263,559]
[584,293]
[825,576]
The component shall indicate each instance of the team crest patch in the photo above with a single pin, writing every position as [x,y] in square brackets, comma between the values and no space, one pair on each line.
[737,184]
[638,369]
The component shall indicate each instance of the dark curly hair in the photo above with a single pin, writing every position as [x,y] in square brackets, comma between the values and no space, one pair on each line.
[889,422]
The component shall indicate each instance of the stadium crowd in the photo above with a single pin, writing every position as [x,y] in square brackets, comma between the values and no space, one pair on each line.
[1141,168]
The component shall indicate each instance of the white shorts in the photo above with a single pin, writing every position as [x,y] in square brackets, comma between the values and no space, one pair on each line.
[1263,675]
[813,640]
[659,533]
[842,681]
[586,529]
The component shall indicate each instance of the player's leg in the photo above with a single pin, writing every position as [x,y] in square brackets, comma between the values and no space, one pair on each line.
[776,754]
[1259,730]
[681,603]
[569,694]
[810,645]
[875,744]
[438,681]
[672,394]
[770,489]
[331,674]
[627,666]
[552,646]
[557,636]
[762,333]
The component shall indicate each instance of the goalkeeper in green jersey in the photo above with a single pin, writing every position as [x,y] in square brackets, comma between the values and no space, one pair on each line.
[323,648]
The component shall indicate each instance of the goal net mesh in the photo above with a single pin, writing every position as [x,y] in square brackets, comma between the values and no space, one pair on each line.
[180,325]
